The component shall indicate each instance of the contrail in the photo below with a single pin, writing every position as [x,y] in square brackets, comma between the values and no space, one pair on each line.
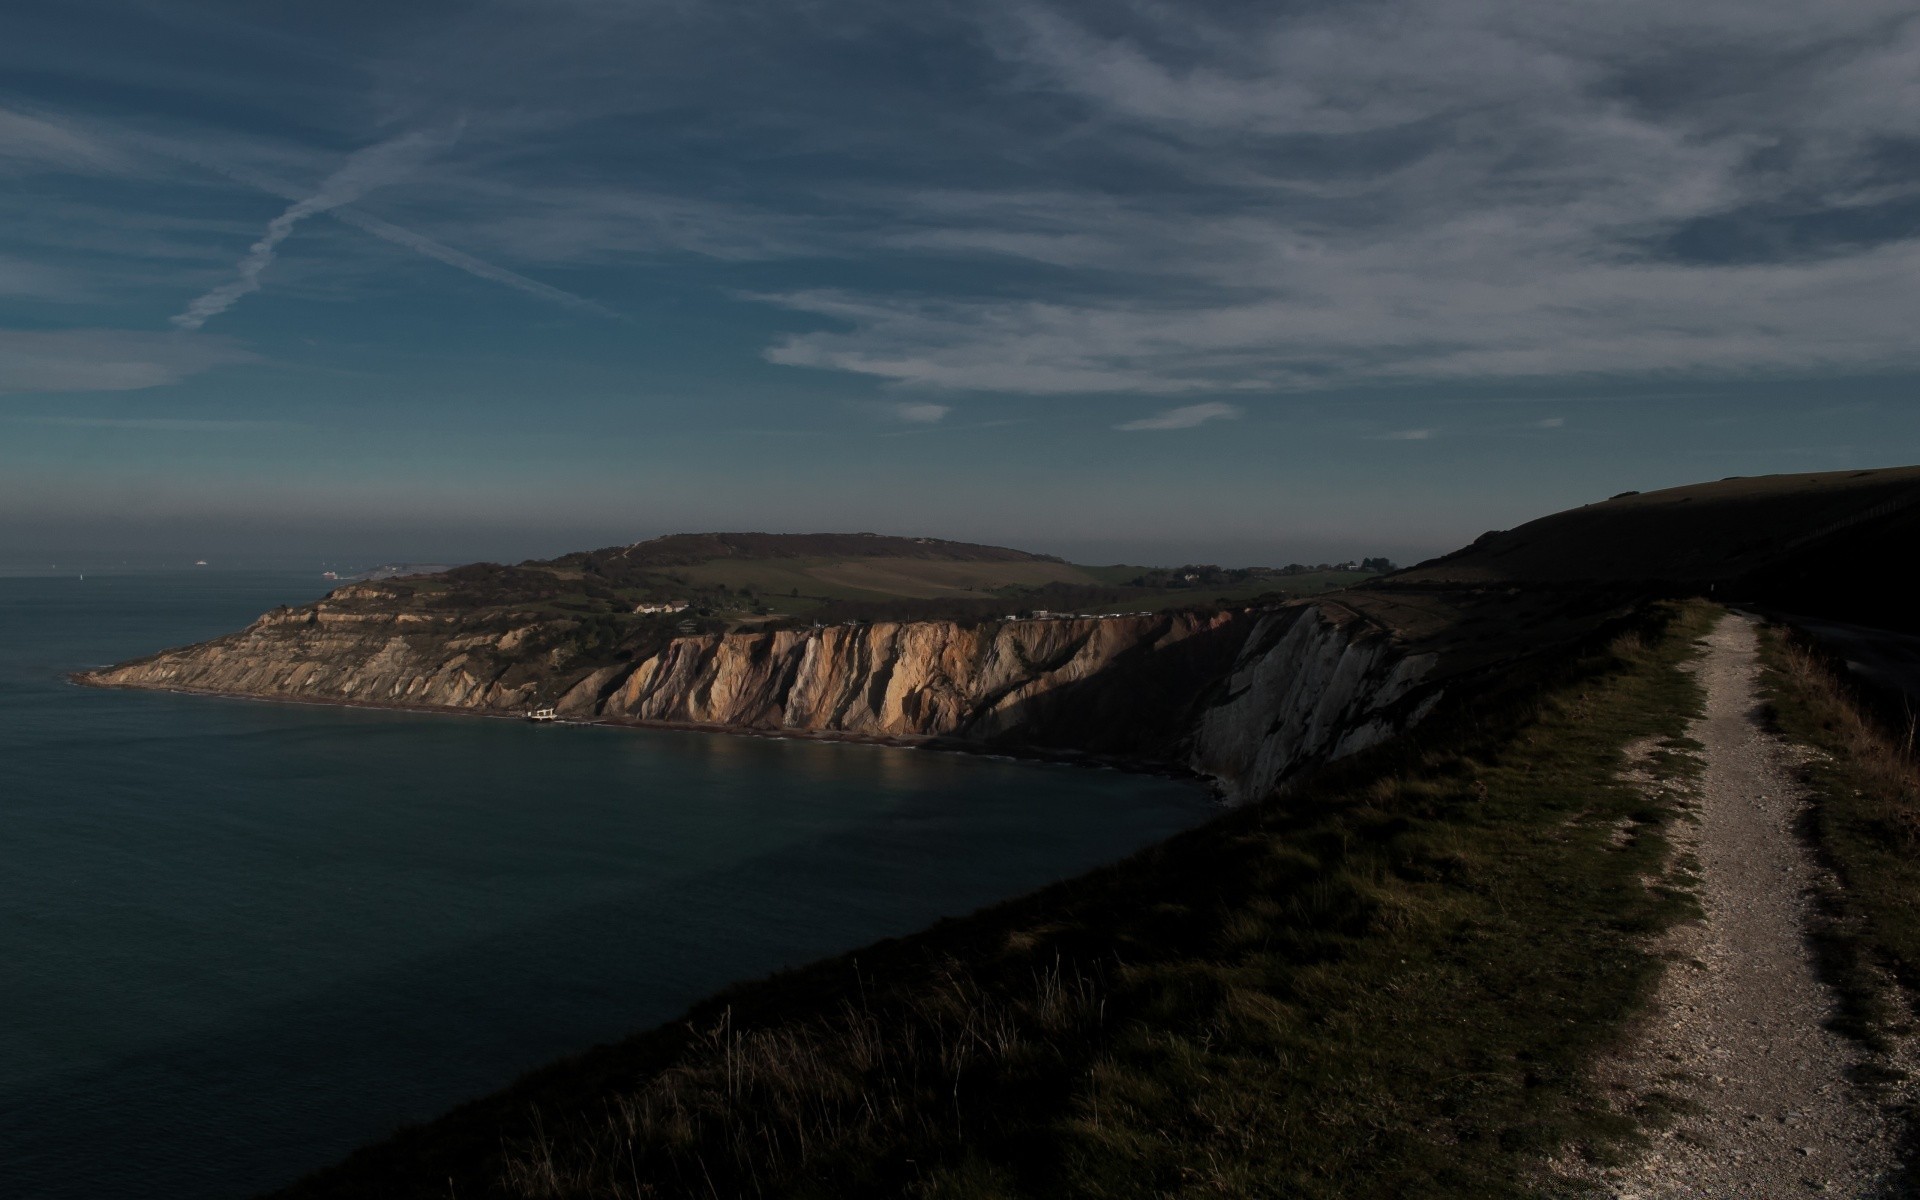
[467,262]
[387,231]
[364,170]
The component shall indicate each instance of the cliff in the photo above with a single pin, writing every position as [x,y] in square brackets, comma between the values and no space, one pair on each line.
[1246,698]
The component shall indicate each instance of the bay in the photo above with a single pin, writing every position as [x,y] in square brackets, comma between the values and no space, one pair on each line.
[238,939]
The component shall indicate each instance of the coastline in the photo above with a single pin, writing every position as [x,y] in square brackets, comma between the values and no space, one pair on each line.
[1072,758]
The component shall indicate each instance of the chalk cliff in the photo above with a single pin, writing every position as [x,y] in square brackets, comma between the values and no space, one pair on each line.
[1247,698]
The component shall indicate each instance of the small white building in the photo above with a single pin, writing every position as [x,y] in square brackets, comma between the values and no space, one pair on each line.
[662,606]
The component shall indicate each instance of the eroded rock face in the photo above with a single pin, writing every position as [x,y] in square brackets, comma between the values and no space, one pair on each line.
[1249,699]
[328,653]
[1305,689]
[926,678]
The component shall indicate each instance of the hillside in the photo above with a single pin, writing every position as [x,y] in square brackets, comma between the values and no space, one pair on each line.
[730,579]
[1816,543]
[680,549]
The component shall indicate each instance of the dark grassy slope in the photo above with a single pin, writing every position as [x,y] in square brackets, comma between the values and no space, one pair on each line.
[1825,545]
[1820,544]
[1389,984]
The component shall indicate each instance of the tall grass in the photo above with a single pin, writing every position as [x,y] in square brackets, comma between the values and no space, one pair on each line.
[1865,819]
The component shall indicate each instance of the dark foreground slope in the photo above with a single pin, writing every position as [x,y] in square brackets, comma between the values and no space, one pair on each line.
[1390,980]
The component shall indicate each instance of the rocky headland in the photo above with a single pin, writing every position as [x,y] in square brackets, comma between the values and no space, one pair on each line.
[1244,698]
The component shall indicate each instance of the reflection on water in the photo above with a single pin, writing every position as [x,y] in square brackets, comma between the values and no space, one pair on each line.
[242,937]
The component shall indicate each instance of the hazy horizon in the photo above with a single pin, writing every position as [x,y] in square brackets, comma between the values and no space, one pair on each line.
[262,550]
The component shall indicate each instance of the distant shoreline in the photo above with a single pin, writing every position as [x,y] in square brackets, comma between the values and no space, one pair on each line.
[1072,758]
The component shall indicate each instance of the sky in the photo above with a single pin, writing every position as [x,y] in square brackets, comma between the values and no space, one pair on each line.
[1124,281]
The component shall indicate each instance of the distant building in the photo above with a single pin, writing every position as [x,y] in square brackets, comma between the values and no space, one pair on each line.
[663,606]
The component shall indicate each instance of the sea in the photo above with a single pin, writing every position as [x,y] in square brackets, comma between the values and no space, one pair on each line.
[239,938]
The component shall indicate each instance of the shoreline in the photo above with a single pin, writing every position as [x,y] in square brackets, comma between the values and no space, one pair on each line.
[1055,757]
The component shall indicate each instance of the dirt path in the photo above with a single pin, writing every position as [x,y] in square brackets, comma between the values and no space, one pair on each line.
[1737,1033]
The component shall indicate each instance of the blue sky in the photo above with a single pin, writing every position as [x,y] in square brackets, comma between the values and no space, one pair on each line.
[1133,280]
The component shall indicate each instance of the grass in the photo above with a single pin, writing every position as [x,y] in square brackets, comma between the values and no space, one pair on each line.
[1306,584]
[1392,982]
[1865,820]
[747,592]
[856,579]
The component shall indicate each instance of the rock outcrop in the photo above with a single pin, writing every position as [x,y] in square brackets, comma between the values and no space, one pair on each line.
[1305,689]
[1248,699]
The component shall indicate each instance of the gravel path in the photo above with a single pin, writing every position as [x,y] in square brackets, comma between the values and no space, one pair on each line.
[1737,1033]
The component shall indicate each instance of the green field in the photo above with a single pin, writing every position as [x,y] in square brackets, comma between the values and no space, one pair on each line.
[877,578]
[739,580]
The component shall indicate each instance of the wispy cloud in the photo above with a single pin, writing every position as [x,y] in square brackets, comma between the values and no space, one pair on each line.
[1320,196]
[27,140]
[1407,435]
[1550,423]
[461,260]
[1421,192]
[34,280]
[1185,417]
[921,413]
[106,360]
[400,236]
[153,424]
[365,170]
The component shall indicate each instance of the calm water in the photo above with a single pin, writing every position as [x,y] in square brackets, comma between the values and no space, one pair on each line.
[238,939]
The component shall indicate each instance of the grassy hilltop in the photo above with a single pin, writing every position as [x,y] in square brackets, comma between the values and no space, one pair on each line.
[761,580]
[1391,980]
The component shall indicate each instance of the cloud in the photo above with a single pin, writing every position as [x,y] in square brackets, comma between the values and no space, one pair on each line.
[31,141]
[365,169]
[459,259]
[921,414]
[1408,435]
[389,232]
[1029,347]
[153,424]
[1550,423]
[1185,417]
[34,280]
[106,360]
[1332,196]
[1152,200]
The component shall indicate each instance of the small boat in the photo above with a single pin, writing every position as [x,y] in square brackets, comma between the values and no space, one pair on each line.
[543,714]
